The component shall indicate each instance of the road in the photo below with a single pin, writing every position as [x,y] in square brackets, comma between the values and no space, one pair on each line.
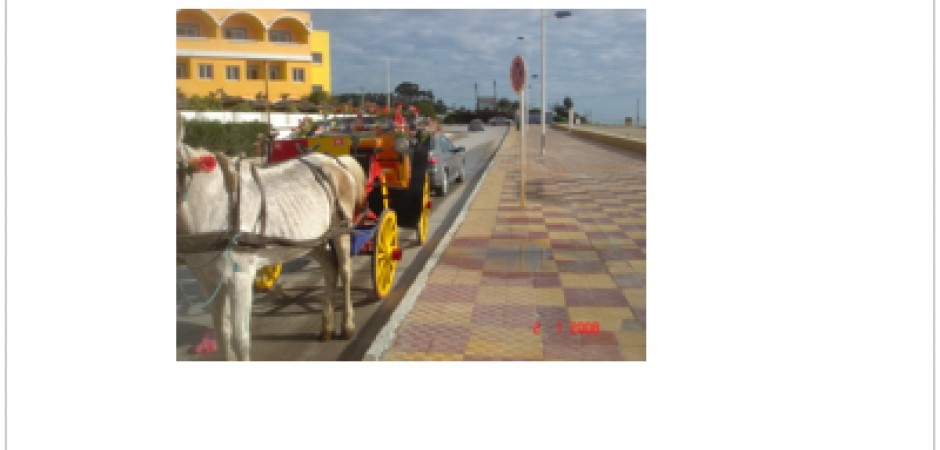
[286,321]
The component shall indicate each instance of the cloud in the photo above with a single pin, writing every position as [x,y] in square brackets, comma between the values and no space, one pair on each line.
[599,55]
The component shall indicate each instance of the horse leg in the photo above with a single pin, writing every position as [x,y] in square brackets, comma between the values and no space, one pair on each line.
[231,310]
[328,266]
[241,297]
[344,264]
[213,276]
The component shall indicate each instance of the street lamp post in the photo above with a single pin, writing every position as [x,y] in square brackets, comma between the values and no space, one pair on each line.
[388,82]
[558,15]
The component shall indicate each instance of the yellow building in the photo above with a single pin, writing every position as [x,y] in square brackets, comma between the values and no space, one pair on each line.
[245,53]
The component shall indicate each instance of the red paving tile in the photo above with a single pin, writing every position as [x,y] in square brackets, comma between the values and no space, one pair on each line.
[546,280]
[594,297]
[581,266]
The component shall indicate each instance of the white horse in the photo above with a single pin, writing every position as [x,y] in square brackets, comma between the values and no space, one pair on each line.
[308,199]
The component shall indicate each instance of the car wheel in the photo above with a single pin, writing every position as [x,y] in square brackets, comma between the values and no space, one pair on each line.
[442,189]
[462,174]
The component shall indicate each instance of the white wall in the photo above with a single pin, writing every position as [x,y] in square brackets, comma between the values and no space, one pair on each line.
[282,122]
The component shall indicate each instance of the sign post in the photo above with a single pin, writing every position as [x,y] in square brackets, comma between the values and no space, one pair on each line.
[517,77]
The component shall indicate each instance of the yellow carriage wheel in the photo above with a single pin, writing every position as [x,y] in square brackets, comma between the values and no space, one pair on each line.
[425,211]
[386,253]
[266,276]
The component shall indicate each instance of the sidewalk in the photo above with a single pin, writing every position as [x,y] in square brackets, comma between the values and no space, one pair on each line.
[574,258]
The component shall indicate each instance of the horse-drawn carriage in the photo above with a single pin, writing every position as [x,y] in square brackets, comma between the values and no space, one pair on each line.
[397,192]
[330,196]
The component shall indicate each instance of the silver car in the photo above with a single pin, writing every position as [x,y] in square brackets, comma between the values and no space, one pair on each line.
[446,163]
[475,125]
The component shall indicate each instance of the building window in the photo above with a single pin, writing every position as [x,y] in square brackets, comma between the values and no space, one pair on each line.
[181,70]
[274,73]
[187,30]
[316,57]
[205,71]
[279,36]
[232,73]
[236,33]
[298,75]
[252,72]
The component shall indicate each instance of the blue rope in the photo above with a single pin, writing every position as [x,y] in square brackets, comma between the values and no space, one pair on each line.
[235,268]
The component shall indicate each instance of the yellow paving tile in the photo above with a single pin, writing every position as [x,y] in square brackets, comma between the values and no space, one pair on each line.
[422,356]
[610,318]
[638,264]
[587,280]
[574,255]
[636,297]
[615,243]
[619,267]
[518,295]
[549,297]
[531,350]
[441,312]
[492,333]
[631,338]
[561,220]
[633,353]
[468,277]
[525,214]
[637,234]
[441,277]
[587,215]
[572,235]
[491,295]
[633,221]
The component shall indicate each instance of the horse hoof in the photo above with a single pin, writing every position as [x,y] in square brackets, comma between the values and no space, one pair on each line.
[349,332]
[326,336]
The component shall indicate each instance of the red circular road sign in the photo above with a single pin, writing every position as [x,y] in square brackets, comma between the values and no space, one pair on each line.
[517,73]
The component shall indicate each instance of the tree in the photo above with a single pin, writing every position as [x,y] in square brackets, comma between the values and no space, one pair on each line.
[427,108]
[409,92]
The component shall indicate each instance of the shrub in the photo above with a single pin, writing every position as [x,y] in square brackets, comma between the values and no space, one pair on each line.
[198,103]
[229,138]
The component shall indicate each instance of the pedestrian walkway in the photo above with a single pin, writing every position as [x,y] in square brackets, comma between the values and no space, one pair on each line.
[562,279]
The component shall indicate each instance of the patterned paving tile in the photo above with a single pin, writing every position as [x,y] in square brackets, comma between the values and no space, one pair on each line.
[576,253]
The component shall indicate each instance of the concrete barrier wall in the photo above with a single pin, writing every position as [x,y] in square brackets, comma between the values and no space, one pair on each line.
[638,147]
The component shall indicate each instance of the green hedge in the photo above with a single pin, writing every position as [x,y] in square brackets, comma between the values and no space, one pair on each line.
[229,138]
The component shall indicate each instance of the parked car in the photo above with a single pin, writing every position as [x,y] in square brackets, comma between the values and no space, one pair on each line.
[499,120]
[475,125]
[446,163]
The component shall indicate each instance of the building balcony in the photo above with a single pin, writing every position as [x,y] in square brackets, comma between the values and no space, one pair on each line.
[242,49]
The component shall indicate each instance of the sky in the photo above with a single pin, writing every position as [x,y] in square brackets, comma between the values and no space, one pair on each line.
[596,57]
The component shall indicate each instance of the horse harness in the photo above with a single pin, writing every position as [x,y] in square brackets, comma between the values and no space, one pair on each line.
[235,239]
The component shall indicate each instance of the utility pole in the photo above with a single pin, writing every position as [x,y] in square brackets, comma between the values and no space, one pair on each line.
[388,82]
[542,83]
